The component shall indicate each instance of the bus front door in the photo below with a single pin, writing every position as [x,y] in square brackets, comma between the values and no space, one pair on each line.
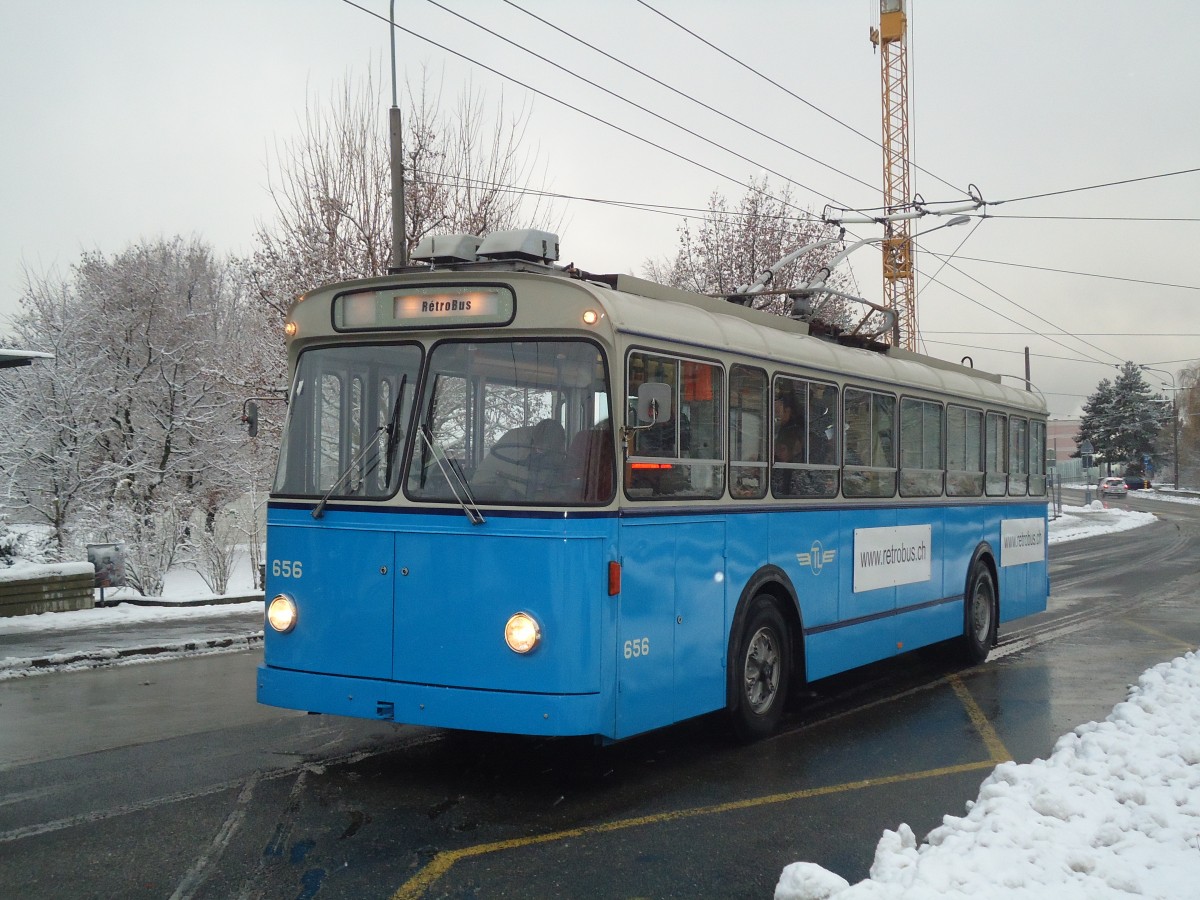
[670,631]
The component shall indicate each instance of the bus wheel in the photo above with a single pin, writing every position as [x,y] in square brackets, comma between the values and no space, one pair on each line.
[979,631]
[761,672]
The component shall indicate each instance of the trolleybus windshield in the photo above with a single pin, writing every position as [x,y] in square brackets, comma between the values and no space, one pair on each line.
[522,421]
[347,417]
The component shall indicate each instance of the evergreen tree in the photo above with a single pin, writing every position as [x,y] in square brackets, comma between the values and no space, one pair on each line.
[1122,418]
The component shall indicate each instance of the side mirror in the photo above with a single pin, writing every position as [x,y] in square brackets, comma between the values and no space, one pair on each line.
[654,403]
[250,417]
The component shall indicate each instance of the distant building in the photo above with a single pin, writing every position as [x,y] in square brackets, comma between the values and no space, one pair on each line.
[1060,438]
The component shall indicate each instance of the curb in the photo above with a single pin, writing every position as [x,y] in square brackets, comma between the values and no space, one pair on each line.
[102,656]
[210,601]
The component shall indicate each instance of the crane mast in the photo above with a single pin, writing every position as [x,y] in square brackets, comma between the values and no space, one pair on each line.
[899,277]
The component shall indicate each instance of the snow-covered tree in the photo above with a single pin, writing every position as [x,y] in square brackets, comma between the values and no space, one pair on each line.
[731,247]
[133,427]
[1122,418]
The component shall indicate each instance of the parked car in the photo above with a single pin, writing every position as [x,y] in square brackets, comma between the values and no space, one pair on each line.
[1113,487]
[1137,482]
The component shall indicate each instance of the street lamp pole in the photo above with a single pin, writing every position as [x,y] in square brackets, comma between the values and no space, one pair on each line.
[1174,419]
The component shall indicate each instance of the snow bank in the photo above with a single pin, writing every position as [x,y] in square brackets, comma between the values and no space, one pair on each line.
[22,570]
[1113,813]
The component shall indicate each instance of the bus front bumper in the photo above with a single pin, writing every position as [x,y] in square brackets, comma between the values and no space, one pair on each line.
[436,706]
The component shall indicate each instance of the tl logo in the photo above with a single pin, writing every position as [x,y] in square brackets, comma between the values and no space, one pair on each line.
[816,558]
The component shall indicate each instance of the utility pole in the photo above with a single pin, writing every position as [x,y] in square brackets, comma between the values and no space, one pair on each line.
[1174,418]
[399,238]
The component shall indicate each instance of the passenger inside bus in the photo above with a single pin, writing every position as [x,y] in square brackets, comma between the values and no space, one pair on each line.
[789,428]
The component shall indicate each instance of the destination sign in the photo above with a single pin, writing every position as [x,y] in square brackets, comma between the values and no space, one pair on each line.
[424,307]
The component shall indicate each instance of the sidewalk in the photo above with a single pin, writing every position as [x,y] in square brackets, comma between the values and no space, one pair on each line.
[89,638]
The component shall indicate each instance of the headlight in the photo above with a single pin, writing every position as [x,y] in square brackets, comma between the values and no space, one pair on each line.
[522,633]
[281,614]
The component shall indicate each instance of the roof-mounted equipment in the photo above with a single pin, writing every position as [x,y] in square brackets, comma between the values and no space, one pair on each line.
[445,249]
[527,244]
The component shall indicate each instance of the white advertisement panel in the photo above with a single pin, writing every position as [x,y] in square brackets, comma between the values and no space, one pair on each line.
[886,557]
[1022,541]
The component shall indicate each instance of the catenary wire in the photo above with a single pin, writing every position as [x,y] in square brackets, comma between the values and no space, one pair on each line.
[790,93]
[688,96]
[1024,309]
[996,262]
[638,106]
[645,140]
[749,187]
[1090,187]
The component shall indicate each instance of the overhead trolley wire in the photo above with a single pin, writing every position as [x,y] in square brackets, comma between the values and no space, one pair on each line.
[791,93]
[1090,187]
[638,106]
[688,96]
[997,262]
[645,140]
[1131,334]
[1072,359]
[1103,218]
[750,187]
[1026,310]
[682,212]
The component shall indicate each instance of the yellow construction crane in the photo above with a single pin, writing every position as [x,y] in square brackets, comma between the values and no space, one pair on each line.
[899,267]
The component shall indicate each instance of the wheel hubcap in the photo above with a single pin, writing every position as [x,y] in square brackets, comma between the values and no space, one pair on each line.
[981,611]
[762,670]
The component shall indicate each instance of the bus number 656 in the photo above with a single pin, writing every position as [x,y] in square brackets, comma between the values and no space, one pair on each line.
[286,568]
[637,647]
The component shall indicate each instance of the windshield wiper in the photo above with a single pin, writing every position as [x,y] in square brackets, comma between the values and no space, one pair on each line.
[451,466]
[373,443]
[394,432]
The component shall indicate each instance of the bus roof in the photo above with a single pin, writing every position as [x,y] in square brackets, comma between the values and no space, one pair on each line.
[719,325]
[638,308]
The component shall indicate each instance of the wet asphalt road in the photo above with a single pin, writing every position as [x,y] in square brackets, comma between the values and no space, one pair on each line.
[166,780]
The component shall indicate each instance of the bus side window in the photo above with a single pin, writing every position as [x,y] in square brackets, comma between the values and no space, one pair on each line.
[683,455]
[920,448]
[1018,456]
[964,452]
[995,445]
[870,447]
[1037,458]
[804,460]
[748,406]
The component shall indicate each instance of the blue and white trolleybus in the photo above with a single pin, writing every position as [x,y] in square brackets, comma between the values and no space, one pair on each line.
[515,497]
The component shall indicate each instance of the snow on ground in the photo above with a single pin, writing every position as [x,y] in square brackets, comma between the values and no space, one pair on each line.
[1073,524]
[1114,812]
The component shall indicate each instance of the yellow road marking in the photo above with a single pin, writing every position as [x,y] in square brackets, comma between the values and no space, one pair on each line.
[1170,638]
[987,733]
[442,862]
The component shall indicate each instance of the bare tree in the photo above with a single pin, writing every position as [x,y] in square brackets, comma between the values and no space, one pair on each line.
[331,185]
[731,247]
[133,427]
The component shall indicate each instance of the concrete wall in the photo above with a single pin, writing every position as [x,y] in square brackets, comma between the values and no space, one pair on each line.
[56,588]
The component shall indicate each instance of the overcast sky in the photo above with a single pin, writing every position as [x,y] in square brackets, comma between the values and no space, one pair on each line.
[137,119]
